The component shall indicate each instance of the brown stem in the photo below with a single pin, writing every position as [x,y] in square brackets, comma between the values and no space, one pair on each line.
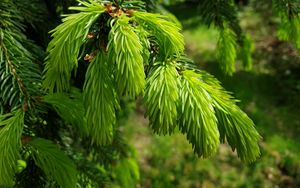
[17,77]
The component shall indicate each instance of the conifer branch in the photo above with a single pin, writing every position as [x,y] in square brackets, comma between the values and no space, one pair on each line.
[11,67]
[197,116]
[289,29]
[226,50]
[127,172]
[161,97]
[11,126]
[55,164]
[100,100]
[223,15]
[75,115]
[246,52]
[19,75]
[125,49]
[234,125]
[63,50]
[167,34]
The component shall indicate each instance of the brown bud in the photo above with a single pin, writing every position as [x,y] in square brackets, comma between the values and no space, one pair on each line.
[119,13]
[25,139]
[90,35]
[109,8]
[88,57]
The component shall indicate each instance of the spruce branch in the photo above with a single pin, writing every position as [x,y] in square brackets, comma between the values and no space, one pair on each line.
[55,164]
[127,172]
[19,75]
[234,124]
[197,116]
[246,52]
[226,50]
[125,49]
[289,29]
[223,15]
[161,97]
[167,33]
[100,100]
[172,95]
[63,50]
[75,115]
[10,65]
[217,12]
[11,126]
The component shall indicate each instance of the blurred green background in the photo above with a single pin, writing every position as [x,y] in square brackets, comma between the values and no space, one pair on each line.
[269,95]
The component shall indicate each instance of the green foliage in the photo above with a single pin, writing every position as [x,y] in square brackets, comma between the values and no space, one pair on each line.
[75,115]
[32,11]
[127,172]
[161,97]
[223,15]
[246,53]
[19,74]
[197,119]
[170,40]
[130,36]
[123,44]
[226,50]
[234,125]
[100,100]
[125,48]
[217,12]
[11,126]
[289,29]
[53,162]
[64,48]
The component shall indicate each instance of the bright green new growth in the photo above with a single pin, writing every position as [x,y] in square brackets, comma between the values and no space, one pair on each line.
[289,29]
[128,40]
[129,52]
[127,172]
[11,126]
[198,119]
[63,50]
[161,97]
[234,125]
[246,52]
[53,162]
[223,15]
[226,50]
[100,100]
[170,40]
[125,49]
